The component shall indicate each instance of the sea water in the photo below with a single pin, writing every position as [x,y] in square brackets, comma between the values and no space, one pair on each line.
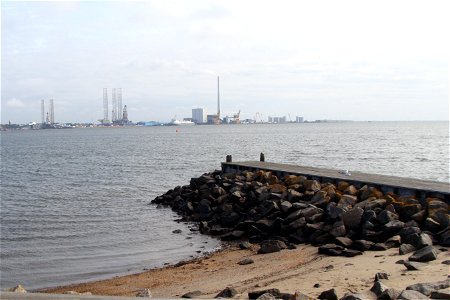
[75,202]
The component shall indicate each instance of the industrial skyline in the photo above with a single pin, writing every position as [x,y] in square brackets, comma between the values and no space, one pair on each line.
[327,60]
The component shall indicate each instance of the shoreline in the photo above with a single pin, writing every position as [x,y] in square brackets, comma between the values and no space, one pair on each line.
[299,269]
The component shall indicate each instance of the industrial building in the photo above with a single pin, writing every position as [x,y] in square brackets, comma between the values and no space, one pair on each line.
[49,117]
[277,120]
[119,115]
[199,115]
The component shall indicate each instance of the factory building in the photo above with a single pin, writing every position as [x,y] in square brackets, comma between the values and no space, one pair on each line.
[299,119]
[199,115]
[277,120]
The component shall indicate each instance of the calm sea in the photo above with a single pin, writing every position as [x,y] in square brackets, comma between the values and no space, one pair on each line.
[74,203]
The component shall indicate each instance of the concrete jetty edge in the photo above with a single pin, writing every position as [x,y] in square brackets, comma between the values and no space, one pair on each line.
[398,185]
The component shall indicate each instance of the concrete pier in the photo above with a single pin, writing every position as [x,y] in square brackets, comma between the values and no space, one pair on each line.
[398,185]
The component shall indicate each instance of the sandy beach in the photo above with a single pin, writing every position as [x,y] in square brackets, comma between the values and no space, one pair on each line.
[301,269]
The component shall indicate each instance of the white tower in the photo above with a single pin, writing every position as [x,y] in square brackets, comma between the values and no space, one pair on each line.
[105,104]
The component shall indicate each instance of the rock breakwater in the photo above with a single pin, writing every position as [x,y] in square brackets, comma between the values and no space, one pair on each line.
[281,212]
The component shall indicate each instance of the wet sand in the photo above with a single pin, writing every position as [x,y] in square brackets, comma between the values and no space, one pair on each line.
[289,271]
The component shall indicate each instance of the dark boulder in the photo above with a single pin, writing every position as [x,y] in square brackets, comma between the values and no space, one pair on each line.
[350,296]
[333,211]
[344,241]
[378,288]
[427,288]
[255,294]
[387,216]
[338,229]
[192,295]
[361,245]
[406,248]
[228,292]
[411,295]
[389,294]
[269,246]
[328,295]
[381,275]
[350,252]
[413,266]
[425,254]
[331,250]
[352,218]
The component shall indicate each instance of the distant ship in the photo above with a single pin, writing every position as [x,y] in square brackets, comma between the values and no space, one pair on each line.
[180,122]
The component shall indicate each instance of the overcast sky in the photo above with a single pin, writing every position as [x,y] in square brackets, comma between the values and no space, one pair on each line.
[358,60]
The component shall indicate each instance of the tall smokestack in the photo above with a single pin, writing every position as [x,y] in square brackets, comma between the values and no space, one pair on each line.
[119,104]
[114,105]
[105,104]
[218,99]
[52,112]
[42,112]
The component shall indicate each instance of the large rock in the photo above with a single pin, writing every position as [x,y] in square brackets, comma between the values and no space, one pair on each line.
[445,237]
[351,252]
[371,204]
[293,216]
[414,266]
[347,201]
[285,206]
[352,218]
[312,185]
[426,254]
[333,211]
[442,294]
[411,295]
[228,292]
[370,192]
[338,229]
[351,190]
[389,294]
[407,232]
[406,248]
[381,275]
[427,288]
[266,296]
[421,240]
[256,294]
[293,195]
[192,295]
[438,210]
[269,246]
[297,224]
[387,216]
[293,179]
[277,188]
[378,288]
[344,241]
[328,295]
[331,249]
[350,296]
[362,245]
[342,185]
